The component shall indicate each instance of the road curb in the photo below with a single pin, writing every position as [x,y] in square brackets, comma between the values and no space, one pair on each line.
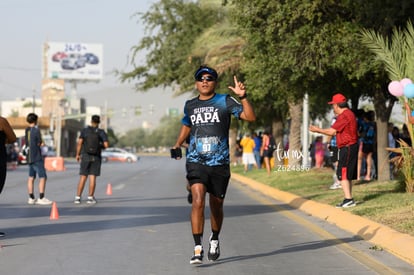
[399,244]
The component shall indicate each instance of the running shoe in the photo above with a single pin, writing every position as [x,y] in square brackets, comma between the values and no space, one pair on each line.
[44,201]
[31,201]
[213,250]
[346,203]
[77,200]
[91,200]
[335,185]
[198,255]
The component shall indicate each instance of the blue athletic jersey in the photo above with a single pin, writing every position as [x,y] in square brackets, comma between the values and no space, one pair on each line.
[210,122]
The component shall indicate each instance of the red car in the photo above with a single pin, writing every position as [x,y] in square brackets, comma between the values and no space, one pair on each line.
[58,56]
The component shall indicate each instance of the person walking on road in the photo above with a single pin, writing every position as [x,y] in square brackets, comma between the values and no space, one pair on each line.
[88,152]
[7,136]
[345,130]
[36,161]
[207,121]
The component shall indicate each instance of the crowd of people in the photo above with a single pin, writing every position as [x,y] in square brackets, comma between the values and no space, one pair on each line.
[255,151]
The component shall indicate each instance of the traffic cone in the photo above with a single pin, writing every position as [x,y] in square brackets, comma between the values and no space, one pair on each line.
[54,213]
[109,189]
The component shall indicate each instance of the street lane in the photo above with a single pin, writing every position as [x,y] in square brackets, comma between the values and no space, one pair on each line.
[143,228]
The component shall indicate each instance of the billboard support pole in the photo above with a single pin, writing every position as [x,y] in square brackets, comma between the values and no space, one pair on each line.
[73,89]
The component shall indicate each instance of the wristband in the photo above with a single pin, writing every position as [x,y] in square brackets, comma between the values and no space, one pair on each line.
[243,97]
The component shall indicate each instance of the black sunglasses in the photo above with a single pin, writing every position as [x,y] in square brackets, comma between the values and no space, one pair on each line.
[206,78]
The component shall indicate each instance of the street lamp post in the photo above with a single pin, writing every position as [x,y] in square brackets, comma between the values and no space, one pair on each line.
[58,132]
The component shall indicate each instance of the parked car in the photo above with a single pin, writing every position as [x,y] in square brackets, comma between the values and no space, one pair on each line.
[118,154]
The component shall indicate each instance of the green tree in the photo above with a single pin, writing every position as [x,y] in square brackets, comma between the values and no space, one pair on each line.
[397,55]
[370,73]
[112,139]
[134,138]
[196,33]
[290,46]
[167,132]
[162,136]
[172,27]
[295,45]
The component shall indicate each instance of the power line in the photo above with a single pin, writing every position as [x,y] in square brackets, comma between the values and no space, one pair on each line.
[28,89]
[20,69]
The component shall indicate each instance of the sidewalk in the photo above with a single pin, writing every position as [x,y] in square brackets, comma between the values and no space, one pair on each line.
[399,244]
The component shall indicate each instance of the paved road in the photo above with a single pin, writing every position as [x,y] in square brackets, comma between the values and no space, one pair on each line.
[143,228]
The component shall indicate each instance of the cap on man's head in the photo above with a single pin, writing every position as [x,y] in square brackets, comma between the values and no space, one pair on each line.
[205,70]
[337,98]
[96,119]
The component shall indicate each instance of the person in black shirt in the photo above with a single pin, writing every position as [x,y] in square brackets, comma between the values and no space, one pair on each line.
[90,158]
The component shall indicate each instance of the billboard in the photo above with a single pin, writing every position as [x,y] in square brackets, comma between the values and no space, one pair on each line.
[73,61]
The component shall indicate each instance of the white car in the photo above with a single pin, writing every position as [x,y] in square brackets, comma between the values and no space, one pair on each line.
[73,61]
[118,154]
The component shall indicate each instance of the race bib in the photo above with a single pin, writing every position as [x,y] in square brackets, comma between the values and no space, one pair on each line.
[206,145]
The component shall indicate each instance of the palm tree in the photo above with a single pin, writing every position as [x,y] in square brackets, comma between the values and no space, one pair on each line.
[221,47]
[397,55]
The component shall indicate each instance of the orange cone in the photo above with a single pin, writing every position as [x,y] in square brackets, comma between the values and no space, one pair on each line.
[109,189]
[54,213]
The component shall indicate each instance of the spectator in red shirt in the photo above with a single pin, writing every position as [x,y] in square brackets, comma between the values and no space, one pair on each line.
[345,130]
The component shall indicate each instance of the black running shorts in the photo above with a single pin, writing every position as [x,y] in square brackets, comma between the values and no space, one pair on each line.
[90,165]
[367,148]
[215,178]
[347,162]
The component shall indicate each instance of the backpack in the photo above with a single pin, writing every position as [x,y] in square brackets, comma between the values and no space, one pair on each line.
[272,144]
[91,141]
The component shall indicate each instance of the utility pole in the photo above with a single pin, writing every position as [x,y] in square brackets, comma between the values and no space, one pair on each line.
[305,131]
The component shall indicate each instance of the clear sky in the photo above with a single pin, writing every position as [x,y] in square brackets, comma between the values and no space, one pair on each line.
[27,24]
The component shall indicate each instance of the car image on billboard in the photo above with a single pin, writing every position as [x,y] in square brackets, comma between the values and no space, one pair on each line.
[91,58]
[73,61]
